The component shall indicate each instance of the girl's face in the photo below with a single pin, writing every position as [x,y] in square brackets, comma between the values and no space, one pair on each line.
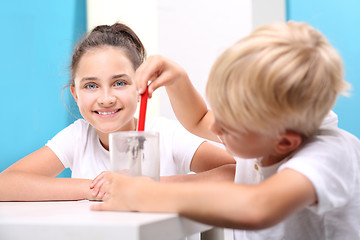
[105,91]
[244,144]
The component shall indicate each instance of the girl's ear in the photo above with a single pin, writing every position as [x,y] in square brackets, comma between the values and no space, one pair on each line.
[288,142]
[73,93]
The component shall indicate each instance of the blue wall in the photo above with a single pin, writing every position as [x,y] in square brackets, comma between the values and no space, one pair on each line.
[36,42]
[339,21]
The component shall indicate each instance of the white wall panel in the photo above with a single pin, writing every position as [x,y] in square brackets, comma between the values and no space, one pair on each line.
[194,33]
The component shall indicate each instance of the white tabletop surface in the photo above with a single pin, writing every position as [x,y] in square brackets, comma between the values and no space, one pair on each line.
[74,220]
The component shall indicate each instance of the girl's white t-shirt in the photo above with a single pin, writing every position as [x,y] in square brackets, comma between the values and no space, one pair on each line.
[78,147]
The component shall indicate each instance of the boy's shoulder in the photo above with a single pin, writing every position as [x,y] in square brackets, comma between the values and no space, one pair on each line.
[334,137]
[331,120]
[329,146]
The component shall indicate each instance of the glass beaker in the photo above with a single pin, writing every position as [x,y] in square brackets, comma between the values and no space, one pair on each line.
[135,153]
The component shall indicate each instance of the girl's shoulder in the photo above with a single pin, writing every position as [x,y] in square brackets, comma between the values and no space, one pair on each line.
[78,129]
[79,124]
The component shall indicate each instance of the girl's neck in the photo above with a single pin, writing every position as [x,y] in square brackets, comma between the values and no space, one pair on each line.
[104,137]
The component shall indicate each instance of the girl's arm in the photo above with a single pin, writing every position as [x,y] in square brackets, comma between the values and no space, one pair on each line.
[188,105]
[33,178]
[220,204]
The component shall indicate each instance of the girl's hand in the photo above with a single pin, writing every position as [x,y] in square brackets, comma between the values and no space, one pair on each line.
[158,71]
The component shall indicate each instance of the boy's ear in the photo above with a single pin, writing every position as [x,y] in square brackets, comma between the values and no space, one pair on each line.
[288,142]
[73,93]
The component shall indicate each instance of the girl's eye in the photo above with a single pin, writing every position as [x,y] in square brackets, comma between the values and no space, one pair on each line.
[119,83]
[90,86]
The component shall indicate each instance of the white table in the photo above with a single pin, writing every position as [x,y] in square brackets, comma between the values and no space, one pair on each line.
[67,220]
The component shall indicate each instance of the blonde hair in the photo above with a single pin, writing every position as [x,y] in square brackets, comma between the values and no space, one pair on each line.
[283,76]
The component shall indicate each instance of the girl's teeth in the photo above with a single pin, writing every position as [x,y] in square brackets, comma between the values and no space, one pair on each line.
[107,113]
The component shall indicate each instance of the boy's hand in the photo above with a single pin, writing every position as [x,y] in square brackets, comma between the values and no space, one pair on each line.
[158,71]
[97,185]
[119,192]
[188,105]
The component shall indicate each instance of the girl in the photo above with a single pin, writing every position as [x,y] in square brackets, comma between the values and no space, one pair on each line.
[102,83]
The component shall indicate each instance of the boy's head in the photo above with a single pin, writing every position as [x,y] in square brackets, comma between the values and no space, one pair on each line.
[283,76]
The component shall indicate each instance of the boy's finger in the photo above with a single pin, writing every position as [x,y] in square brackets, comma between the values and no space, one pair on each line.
[142,76]
[97,179]
[148,72]
[160,81]
[98,188]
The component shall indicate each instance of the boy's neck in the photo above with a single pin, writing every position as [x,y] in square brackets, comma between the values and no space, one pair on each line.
[273,159]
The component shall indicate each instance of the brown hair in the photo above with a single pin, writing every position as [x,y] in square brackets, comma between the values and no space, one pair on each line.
[116,35]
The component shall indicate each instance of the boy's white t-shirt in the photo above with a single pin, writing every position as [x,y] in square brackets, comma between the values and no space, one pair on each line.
[78,147]
[331,161]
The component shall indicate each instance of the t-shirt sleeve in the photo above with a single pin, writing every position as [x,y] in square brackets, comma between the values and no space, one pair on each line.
[328,162]
[179,145]
[64,143]
[185,144]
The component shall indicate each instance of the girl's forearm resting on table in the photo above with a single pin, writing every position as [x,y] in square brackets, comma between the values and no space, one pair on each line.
[33,187]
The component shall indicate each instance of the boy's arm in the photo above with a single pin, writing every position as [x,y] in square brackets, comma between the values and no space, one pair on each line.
[220,204]
[224,173]
[33,178]
[188,105]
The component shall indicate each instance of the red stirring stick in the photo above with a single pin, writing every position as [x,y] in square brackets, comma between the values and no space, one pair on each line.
[142,114]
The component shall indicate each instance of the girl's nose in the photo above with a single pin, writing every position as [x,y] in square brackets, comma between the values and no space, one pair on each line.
[106,99]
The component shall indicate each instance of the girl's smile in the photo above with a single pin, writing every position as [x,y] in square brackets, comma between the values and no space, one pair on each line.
[106,113]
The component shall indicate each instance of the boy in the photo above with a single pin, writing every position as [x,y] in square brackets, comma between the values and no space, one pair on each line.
[270,93]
